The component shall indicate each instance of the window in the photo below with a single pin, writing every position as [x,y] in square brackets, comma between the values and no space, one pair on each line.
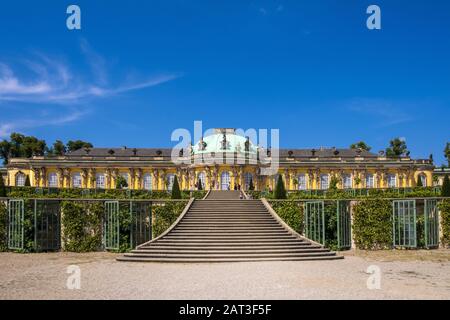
[202,179]
[225,181]
[147,182]
[100,181]
[20,180]
[392,181]
[302,182]
[247,178]
[423,178]
[170,180]
[53,180]
[347,181]
[324,181]
[76,180]
[369,181]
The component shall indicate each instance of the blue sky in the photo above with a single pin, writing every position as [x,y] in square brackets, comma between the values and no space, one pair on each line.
[140,69]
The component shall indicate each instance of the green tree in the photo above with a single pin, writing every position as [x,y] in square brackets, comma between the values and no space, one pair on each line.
[361,145]
[397,148]
[121,183]
[176,193]
[77,145]
[21,146]
[280,191]
[2,187]
[27,181]
[59,149]
[446,187]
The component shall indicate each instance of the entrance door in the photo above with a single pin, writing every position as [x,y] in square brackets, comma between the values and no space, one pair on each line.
[225,181]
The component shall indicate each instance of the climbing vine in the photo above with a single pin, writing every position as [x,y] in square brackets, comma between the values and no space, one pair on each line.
[165,215]
[291,213]
[444,208]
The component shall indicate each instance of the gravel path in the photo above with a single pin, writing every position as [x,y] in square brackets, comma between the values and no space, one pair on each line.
[43,276]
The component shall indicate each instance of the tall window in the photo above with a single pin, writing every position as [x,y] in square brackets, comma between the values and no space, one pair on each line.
[148,181]
[302,182]
[53,180]
[170,180]
[324,181]
[225,180]
[392,181]
[370,183]
[126,176]
[247,178]
[202,179]
[347,181]
[20,180]
[76,180]
[423,178]
[100,181]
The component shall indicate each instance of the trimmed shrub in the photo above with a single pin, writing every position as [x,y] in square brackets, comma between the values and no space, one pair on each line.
[372,225]
[176,193]
[165,215]
[280,191]
[291,212]
[446,187]
[82,226]
[444,208]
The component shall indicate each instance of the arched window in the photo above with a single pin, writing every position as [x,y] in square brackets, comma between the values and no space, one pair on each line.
[248,177]
[53,180]
[76,180]
[423,179]
[392,180]
[301,182]
[170,180]
[148,181]
[202,179]
[20,180]
[370,182]
[225,180]
[100,181]
[324,181]
[347,181]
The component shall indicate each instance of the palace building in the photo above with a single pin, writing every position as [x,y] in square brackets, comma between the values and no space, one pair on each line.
[220,161]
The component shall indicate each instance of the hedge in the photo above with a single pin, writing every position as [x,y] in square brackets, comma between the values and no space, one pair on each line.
[372,224]
[82,226]
[290,212]
[165,215]
[113,194]
[444,208]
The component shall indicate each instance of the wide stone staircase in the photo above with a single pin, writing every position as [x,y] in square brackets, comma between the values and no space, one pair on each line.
[223,228]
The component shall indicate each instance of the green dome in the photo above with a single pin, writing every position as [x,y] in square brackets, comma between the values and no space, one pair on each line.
[215,143]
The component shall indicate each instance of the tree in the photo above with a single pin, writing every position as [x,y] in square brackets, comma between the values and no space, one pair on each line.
[21,146]
[446,187]
[280,191]
[27,181]
[2,187]
[77,145]
[334,183]
[447,153]
[251,187]
[176,193]
[59,149]
[121,183]
[397,148]
[361,145]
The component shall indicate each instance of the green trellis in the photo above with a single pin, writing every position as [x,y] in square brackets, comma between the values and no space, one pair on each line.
[314,221]
[431,218]
[15,224]
[344,239]
[111,226]
[404,224]
[141,223]
[47,223]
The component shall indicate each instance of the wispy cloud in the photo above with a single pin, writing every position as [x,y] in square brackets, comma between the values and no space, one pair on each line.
[386,112]
[44,80]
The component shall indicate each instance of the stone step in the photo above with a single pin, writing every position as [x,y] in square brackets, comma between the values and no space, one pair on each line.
[226,260]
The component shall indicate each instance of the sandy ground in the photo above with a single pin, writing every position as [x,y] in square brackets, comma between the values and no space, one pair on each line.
[404,275]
